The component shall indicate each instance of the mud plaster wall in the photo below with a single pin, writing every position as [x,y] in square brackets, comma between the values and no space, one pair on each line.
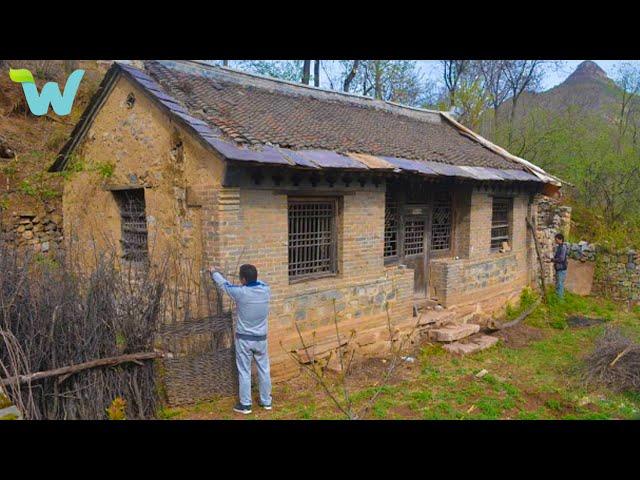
[138,146]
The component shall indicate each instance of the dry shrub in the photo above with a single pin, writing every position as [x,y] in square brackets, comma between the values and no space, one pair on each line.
[55,314]
[117,409]
[614,362]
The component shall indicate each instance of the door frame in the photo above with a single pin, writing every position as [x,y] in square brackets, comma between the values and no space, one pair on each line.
[409,211]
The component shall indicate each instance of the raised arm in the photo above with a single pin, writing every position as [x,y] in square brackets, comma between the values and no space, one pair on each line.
[233,291]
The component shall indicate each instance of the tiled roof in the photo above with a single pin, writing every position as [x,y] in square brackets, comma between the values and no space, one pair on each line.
[249,118]
[255,111]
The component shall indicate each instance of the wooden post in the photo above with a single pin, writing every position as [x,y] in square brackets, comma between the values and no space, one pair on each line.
[535,242]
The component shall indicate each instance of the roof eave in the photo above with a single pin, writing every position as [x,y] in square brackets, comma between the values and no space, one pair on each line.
[85,121]
[534,169]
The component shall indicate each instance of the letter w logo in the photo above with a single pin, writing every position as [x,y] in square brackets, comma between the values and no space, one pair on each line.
[50,95]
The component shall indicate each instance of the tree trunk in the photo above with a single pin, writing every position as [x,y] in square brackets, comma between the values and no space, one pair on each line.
[512,117]
[351,75]
[377,80]
[316,73]
[306,72]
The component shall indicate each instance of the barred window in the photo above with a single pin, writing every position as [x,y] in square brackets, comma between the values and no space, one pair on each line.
[414,236]
[133,221]
[501,212]
[441,224]
[391,225]
[312,238]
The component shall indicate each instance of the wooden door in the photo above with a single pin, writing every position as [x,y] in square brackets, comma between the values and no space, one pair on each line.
[416,227]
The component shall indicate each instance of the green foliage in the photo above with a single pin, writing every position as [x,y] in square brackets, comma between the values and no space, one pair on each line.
[284,69]
[598,154]
[37,186]
[47,261]
[105,170]
[28,189]
[76,164]
[527,298]
[8,170]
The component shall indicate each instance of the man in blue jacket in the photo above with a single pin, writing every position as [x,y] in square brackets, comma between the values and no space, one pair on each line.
[560,263]
[252,299]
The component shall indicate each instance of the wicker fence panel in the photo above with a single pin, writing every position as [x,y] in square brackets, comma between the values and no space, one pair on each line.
[202,364]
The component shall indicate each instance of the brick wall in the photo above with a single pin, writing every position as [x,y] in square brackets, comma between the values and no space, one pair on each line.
[250,225]
[477,275]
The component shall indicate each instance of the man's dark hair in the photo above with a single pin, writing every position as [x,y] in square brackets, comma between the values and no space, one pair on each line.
[249,273]
[560,236]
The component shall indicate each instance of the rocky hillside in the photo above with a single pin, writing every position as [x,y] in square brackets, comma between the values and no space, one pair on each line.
[587,89]
[30,198]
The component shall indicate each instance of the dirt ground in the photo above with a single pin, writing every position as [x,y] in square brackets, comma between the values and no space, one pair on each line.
[533,373]
[519,336]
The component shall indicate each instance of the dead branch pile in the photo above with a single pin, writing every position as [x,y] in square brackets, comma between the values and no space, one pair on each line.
[615,362]
[52,315]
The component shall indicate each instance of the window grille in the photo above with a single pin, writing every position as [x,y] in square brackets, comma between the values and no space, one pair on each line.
[414,236]
[133,224]
[312,238]
[391,225]
[442,220]
[501,212]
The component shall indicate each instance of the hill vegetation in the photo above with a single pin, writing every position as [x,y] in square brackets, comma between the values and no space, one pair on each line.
[34,141]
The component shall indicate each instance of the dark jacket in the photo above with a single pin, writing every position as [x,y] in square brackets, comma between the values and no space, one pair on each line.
[560,259]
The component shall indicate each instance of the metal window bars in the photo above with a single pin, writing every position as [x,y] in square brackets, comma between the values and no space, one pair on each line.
[312,238]
[133,224]
[501,210]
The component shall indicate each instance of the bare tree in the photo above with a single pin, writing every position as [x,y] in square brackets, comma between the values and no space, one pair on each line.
[628,79]
[352,72]
[521,76]
[343,401]
[495,85]
[453,72]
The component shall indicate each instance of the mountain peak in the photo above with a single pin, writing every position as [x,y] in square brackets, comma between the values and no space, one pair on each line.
[587,71]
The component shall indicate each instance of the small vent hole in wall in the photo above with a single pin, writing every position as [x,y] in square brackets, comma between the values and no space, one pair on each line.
[131,100]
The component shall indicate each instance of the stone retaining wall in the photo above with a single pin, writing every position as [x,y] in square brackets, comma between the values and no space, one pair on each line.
[40,231]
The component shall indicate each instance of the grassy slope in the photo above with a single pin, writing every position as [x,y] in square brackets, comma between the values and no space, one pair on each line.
[538,381]
[24,182]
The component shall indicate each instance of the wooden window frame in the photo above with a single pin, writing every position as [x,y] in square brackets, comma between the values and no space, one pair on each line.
[451,225]
[395,204]
[501,224]
[132,231]
[333,248]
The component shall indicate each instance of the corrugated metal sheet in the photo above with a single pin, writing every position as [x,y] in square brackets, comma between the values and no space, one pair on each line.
[410,165]
[329,159]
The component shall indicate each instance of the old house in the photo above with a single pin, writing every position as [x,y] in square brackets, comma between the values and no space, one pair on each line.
[348,206]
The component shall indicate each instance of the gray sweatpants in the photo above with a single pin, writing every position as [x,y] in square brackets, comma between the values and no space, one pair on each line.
[245,351]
